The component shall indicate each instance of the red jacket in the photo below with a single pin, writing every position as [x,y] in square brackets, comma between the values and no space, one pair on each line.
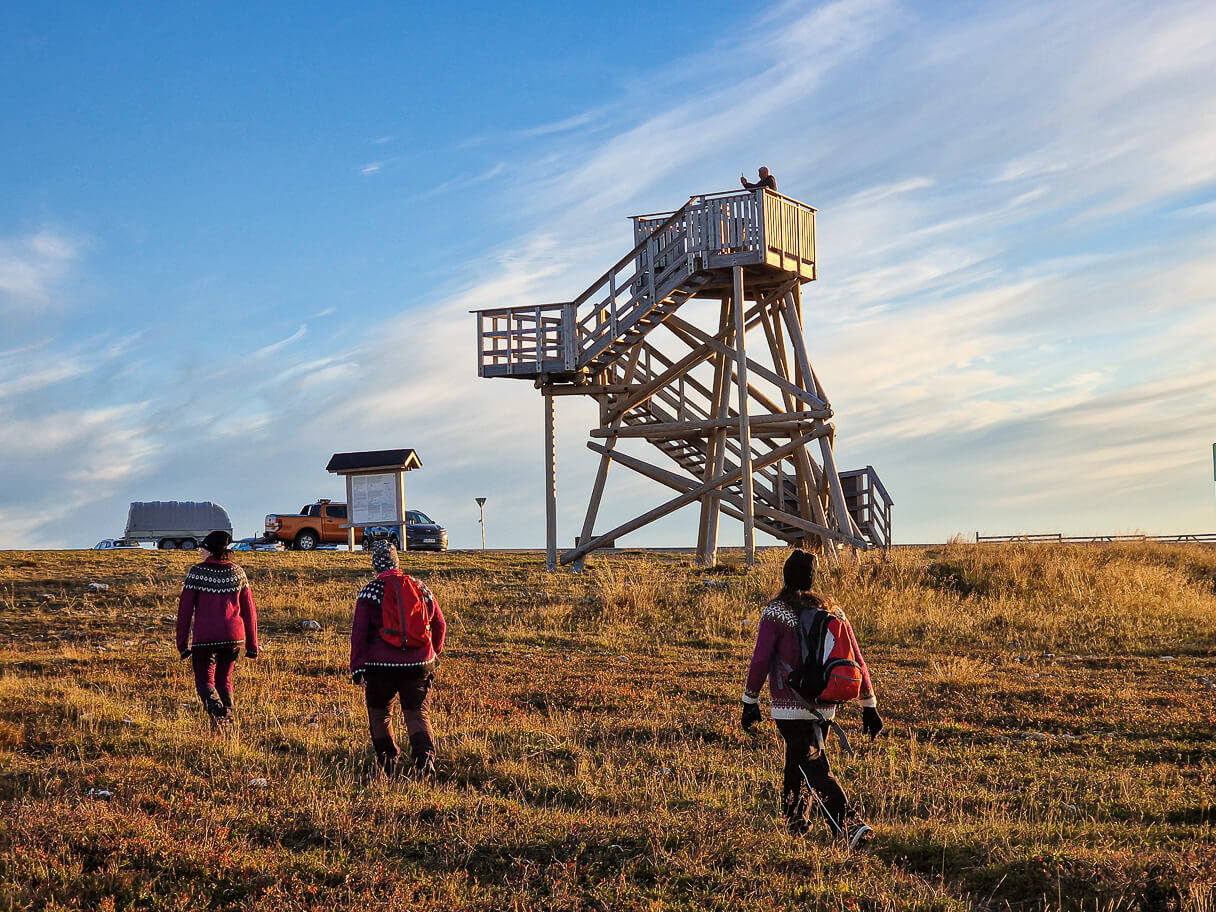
[369,650]
[217,601]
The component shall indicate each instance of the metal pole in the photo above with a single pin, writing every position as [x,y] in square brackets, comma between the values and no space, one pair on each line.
[481,505]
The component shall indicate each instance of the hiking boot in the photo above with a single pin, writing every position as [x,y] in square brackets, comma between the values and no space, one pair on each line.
[858,835]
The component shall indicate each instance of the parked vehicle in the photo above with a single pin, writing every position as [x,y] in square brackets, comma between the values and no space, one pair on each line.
[318,522]
[324,522]
[173,524]
[111,544]
[257,544]
[421,533]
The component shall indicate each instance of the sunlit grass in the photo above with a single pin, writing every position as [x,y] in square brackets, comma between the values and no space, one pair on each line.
[1040,753]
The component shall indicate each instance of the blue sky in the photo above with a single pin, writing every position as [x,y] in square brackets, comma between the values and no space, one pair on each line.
[235,239]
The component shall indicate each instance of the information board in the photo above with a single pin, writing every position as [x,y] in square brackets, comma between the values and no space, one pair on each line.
[373,499]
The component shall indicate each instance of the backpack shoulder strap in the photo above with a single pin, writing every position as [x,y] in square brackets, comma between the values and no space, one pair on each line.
[818,624]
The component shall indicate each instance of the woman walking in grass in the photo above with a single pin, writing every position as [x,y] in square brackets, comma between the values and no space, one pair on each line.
[798,617]
[395,643]
[217,603]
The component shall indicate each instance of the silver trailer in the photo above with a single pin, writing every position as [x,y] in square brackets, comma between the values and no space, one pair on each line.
[175,523]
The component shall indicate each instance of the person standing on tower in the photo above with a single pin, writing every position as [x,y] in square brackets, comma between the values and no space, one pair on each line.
[766,180]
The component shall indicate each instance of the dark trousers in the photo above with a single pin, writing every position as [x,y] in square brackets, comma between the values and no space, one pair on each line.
[213,676]
[806,764]
[413,686]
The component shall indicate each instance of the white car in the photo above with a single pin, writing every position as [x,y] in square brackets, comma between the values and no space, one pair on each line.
[110,544]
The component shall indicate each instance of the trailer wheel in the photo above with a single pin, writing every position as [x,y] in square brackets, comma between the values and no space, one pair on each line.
[187,544]
[166,544]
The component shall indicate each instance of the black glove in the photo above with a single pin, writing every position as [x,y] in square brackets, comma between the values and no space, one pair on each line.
[186,653]
[871,722]
[359,678]
[251,653]
[751,715]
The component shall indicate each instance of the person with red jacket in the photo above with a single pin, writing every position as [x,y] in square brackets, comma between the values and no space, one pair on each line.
[217,603]
[387,672]
[804,726]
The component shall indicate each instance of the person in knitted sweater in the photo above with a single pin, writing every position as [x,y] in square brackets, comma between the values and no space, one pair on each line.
[217,605]
[387,672]
[804,726]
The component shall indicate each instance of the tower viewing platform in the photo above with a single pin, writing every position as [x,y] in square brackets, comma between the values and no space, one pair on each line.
[735,421]
[676,255]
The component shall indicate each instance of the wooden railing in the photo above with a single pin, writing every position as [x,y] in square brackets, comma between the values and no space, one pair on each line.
[711,230]
[526,340]
[869,503]
[1060,538]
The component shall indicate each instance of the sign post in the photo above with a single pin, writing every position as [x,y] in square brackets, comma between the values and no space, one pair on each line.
[375,489]
[481,503]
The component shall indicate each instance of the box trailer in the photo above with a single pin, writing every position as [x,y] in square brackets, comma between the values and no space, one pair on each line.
[175,523]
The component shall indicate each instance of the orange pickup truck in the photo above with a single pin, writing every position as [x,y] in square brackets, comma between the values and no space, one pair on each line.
[325,522]
[320,522]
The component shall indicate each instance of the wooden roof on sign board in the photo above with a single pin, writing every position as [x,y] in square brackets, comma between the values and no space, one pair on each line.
[373,461]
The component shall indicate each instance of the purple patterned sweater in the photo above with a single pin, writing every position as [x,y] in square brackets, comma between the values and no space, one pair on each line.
[778,652]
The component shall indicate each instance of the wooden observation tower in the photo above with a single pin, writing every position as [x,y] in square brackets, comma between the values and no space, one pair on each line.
[744,424]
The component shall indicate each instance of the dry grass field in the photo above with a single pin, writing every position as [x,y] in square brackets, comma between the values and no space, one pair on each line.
[1050,745]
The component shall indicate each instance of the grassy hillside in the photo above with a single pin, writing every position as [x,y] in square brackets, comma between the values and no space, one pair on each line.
[1040,752]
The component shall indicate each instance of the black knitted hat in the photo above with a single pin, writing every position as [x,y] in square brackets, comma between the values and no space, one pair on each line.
[217,542]
[799,571]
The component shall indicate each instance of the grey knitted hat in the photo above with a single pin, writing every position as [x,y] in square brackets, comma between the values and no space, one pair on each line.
[384,556]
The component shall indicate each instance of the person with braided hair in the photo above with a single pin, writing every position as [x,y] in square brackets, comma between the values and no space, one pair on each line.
[804,725]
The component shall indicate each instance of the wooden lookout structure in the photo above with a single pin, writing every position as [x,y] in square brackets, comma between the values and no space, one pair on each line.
[735,407]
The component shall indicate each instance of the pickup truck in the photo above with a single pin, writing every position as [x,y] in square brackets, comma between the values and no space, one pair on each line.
[325,522]
[318,522]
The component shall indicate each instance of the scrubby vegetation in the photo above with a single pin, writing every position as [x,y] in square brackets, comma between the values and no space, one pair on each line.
[1051,713]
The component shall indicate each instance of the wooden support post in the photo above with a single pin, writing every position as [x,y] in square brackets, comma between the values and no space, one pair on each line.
[804,480]
[844,521]
[601,477]
[715,455]
[683,484]
[717,483]
[745,433]
[550,488]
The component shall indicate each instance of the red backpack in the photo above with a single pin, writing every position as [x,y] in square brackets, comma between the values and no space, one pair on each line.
[828,673]
[405,617]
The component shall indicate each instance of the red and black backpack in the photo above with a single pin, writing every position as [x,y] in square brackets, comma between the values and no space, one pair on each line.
[830,671]
[405,616]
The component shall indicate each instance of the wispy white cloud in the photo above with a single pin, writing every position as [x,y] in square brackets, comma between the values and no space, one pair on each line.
[274,347]
[30,265]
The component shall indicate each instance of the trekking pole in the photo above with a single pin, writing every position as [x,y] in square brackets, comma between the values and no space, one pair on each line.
[836,825]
